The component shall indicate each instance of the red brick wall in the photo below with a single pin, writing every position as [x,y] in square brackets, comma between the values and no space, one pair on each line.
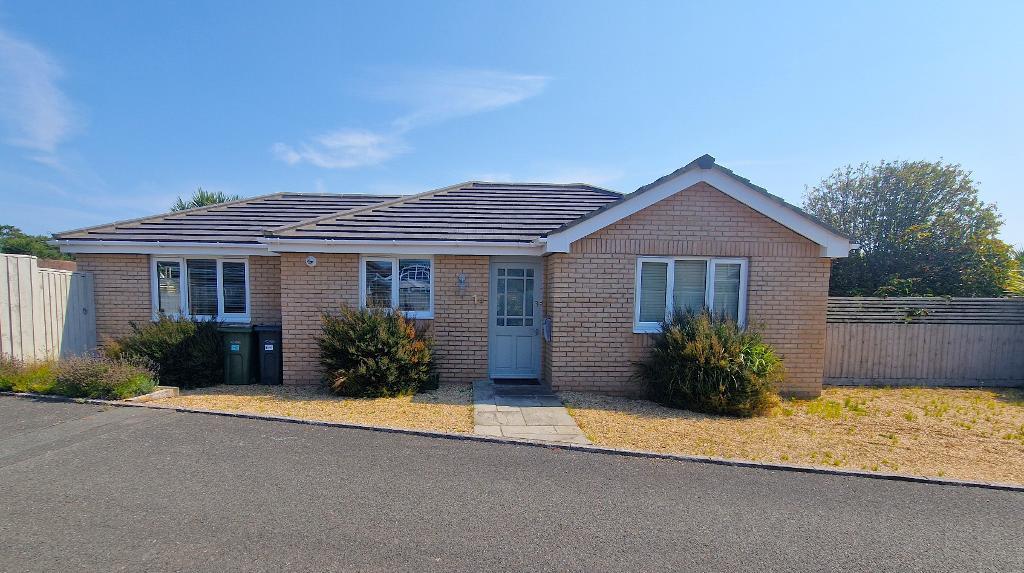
[590,291]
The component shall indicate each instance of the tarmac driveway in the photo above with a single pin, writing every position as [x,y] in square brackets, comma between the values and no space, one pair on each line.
[91,488]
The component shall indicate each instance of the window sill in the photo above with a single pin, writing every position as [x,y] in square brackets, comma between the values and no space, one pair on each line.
[646,329]
[224,319]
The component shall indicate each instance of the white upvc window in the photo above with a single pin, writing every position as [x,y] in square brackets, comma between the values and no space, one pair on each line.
[665,284]
[404,283]
[205,288]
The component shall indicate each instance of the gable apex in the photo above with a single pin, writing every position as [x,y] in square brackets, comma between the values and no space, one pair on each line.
[704,169]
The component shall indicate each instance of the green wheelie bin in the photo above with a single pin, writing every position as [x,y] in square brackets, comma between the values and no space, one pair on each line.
[237,354]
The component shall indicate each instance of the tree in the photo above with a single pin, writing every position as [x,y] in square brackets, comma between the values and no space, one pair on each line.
[14,241]
[1015,286]
[202,198]
[921,227]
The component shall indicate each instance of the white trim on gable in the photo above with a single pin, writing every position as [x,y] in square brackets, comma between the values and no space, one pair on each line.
[833,245]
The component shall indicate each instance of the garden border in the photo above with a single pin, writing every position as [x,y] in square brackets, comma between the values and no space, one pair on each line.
[532,443]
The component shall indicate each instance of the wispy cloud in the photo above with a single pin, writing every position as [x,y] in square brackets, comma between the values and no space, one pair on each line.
[34,113]
[432,98]
[441,96]
[342,149]
[599,176]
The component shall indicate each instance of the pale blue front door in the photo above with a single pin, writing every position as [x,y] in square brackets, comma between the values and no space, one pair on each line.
[515,320]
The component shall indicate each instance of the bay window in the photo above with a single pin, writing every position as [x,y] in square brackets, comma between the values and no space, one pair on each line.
[666,284]
[202,287]
[402,283]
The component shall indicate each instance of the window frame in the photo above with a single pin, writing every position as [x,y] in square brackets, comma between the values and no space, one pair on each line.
[709,288]
[182,262]
[395,283]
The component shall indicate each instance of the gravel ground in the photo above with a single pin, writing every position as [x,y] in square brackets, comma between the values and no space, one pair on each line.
[969,434]
[447,409]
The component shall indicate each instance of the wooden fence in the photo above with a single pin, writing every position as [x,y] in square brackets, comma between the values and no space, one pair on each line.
[44,313]
[925,342]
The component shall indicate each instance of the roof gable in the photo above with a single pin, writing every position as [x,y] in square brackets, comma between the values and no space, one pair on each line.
[703,169]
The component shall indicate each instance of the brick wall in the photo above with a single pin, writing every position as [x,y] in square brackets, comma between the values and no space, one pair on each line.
[460,317]
[265,289]
[306,293]
[122,294]
[122,290]
[590,291]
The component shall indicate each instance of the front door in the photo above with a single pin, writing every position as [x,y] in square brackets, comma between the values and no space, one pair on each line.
[515,320]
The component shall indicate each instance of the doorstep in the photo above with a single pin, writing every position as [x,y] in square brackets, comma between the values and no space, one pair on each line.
[530,412]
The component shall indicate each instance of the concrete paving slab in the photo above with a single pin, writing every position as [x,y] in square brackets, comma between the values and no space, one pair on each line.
[530,412]
[511,419]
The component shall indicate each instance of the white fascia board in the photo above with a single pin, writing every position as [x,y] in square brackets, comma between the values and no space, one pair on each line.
[833,246]
[401,247]
[160,248]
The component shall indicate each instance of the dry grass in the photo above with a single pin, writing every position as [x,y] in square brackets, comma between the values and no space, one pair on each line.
[967,434]
[447,409]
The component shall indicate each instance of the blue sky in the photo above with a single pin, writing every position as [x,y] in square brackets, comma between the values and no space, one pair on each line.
[110,111]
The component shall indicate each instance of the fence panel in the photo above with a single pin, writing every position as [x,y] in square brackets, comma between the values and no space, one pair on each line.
[925,342]
[44,313]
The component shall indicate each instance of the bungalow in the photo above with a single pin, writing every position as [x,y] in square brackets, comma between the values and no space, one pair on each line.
[558,282]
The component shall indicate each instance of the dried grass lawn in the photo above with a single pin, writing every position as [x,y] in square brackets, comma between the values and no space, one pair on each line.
[447,409]
[972,434]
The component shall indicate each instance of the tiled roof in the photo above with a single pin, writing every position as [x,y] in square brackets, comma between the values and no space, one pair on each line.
[473,211]
[238,222]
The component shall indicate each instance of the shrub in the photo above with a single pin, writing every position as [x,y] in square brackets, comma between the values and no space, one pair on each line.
[709,364]
[101,377]
[19,376]
[184,352]
[373,353]
[77,377]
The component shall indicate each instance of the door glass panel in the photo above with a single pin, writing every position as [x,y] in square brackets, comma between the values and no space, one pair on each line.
[528,298]
[233,283]
[515,296]
[514,293]
[168,276]
[727,290]
[378,284]
[202,287]
[688,290]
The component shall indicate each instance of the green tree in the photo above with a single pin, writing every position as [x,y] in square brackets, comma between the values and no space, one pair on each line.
[202,198]
[1015,286]
[921,227]
[14,241]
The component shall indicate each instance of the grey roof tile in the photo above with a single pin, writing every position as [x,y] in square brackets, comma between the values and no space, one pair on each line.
[237,222]
[473,211]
